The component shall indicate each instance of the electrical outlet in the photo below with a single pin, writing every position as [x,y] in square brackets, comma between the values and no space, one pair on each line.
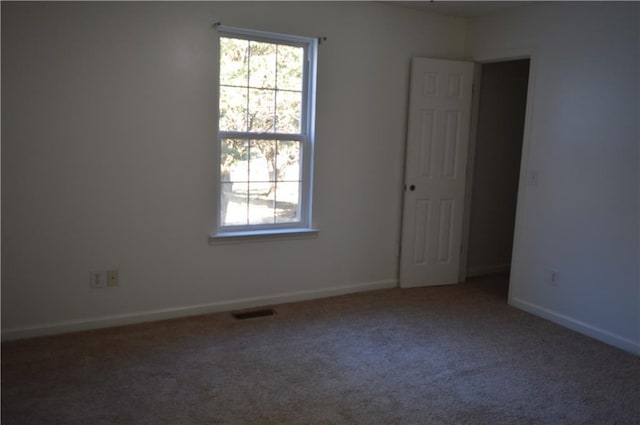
[554,278]
[113,277]
[97,279]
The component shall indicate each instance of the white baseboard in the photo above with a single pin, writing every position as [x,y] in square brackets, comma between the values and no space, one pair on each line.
[488,270]
[578,326]
[171,313]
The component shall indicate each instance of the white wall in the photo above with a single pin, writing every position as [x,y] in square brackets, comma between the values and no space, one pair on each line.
[108,130]
[582,217]
[496,166]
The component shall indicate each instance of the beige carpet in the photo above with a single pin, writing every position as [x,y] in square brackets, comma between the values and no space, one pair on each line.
[444,355]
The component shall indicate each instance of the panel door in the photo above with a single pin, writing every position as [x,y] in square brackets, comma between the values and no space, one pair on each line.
[437,147]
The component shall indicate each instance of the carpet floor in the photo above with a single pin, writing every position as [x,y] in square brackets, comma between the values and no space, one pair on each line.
[441,355]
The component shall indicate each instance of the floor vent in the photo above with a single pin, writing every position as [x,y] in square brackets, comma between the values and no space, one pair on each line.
[241,315]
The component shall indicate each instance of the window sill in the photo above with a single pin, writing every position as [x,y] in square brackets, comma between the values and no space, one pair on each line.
[262,235]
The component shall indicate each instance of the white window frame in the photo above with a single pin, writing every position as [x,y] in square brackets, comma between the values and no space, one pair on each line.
[305,137]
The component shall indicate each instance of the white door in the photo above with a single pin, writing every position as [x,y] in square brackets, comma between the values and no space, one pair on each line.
[437,145]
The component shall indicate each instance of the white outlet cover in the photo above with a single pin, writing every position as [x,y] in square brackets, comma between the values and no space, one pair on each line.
[97,279]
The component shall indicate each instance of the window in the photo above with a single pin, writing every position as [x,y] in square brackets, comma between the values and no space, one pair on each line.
[265,132]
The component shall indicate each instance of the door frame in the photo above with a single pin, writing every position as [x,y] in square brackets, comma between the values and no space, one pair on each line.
[526,169]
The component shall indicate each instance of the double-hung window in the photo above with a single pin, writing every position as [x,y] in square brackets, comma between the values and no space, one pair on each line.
[265,132]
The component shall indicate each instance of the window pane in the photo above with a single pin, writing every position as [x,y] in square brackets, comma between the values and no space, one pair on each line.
[263,90]
[263,163]
[290,67]
[234,164]
[233,109]
[262,65]
[288,111]
[234,62]
[261,150]
[261,196]
[288,161]
[261,110]
[233,200]
[287,200]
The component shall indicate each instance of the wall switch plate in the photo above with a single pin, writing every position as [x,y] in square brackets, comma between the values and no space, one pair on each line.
[113,277]
[97,279]
[532,178]
[554,278]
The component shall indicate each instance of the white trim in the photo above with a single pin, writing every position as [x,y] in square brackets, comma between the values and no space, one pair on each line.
[263,235]
[261,136]
[506,53]
[249,34]
[578,326]
[488,270]
[463,273]
[175,312]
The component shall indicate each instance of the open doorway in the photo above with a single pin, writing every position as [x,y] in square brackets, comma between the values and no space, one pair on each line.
[496,172]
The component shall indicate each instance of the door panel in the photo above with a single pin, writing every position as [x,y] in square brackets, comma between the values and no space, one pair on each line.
[437,144]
